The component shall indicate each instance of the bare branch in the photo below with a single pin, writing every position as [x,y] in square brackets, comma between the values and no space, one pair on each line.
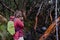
[50,13]
[36,21]
[48,31]
[51,16]
[6,6]
[16,4]
[39,9]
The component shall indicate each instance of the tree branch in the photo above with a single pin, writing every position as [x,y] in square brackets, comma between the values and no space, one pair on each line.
[36,19]
[51,16]
[39,9]
[50,13]
[16,4]
[3,4]
[48,31]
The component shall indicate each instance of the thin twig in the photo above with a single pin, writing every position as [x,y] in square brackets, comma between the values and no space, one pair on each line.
[16,4]
[36,19]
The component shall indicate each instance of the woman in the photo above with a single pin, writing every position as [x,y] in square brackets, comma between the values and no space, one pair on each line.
[19,25]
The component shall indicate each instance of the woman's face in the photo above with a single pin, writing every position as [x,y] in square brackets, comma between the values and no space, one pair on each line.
[19,14]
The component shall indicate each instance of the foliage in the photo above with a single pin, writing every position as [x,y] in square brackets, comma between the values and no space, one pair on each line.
[45,17]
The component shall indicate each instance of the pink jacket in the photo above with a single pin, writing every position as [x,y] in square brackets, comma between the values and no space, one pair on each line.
[19,25]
